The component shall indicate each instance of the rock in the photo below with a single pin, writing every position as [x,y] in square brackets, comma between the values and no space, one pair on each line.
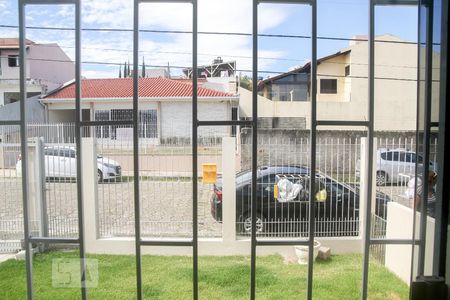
[324,253]
[289,256]
[21,254]
[290,259]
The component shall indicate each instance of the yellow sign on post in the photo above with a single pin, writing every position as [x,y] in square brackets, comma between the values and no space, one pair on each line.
[209,173]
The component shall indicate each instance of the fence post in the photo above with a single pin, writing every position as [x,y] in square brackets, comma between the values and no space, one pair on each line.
[363,185]
[2,157]
[36,175]
[229,189]
[40,185]
[89,162]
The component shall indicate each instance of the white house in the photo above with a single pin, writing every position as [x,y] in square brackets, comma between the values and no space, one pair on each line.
[47,67]
[342,87]
[165,106]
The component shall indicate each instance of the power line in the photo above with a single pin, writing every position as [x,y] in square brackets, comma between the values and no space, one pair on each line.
[210,33]
[224,55]
[172,52]
[237,70]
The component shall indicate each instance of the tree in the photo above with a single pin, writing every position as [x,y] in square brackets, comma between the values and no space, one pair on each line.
[143,67]
[120,71]
[125,70]
[246,82]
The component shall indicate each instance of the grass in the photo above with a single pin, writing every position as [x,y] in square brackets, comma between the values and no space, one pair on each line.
[219,278]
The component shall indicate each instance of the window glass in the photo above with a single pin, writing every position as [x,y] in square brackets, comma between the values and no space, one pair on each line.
[347,70]
[419,159]
[396,156]
[270,178]
[410,157]
[13,60]
[65,152]
[328,86]
[49,151]
[71,153]
[243,177]
[102,131]
[334,187]
[388,156]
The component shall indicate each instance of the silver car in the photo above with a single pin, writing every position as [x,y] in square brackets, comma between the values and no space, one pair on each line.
[61,162]
[396,165]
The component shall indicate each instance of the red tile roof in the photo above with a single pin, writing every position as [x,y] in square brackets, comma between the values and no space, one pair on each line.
[189,81]
[12,43]
[123,88]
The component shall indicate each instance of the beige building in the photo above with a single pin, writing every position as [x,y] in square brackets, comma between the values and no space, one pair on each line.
[47,68]
[342,87]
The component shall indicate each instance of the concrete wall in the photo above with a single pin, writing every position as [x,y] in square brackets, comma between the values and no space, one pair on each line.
[10,72]
[12,86]
[334,68]
[176,118]
[400,226]
[46,62]
[224,246]
[35,111]
[49,63]
[395,100]
[225,84]
[61,116]
[336,150]
[47,68]
[270,109]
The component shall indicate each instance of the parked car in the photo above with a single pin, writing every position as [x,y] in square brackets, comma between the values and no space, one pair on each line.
[392,164]
[61,162]
[341,203]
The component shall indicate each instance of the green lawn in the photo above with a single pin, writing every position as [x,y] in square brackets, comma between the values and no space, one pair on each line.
[219,278]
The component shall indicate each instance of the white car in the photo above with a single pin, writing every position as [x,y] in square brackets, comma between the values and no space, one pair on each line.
[62,162]
[392,164]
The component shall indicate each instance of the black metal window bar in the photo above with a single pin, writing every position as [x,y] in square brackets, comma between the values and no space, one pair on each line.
[139,242]
[24,147]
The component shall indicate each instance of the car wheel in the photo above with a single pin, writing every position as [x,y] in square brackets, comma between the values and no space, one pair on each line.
[246,226]
[99,176]
[381,178]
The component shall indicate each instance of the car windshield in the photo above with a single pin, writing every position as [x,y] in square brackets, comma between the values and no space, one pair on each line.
[243,176]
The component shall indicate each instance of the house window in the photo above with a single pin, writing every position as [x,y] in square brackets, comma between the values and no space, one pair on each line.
[328,86]
[347,70]
[147,122]
[13,60]
[102,131]
[148,127]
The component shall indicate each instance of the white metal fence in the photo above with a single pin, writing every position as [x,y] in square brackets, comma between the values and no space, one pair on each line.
[166,185]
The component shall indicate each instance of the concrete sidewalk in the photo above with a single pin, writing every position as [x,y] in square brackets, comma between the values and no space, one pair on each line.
[6,256]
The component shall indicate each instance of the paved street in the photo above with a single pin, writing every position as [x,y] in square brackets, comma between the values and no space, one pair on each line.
[166,208]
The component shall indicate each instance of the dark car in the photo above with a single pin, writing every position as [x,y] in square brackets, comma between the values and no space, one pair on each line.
[337,215]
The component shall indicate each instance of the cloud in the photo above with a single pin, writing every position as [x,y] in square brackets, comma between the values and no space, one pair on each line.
[158,49]
[213,16]
[108,73]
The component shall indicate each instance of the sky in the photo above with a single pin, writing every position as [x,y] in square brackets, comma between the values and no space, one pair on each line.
[103,51]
